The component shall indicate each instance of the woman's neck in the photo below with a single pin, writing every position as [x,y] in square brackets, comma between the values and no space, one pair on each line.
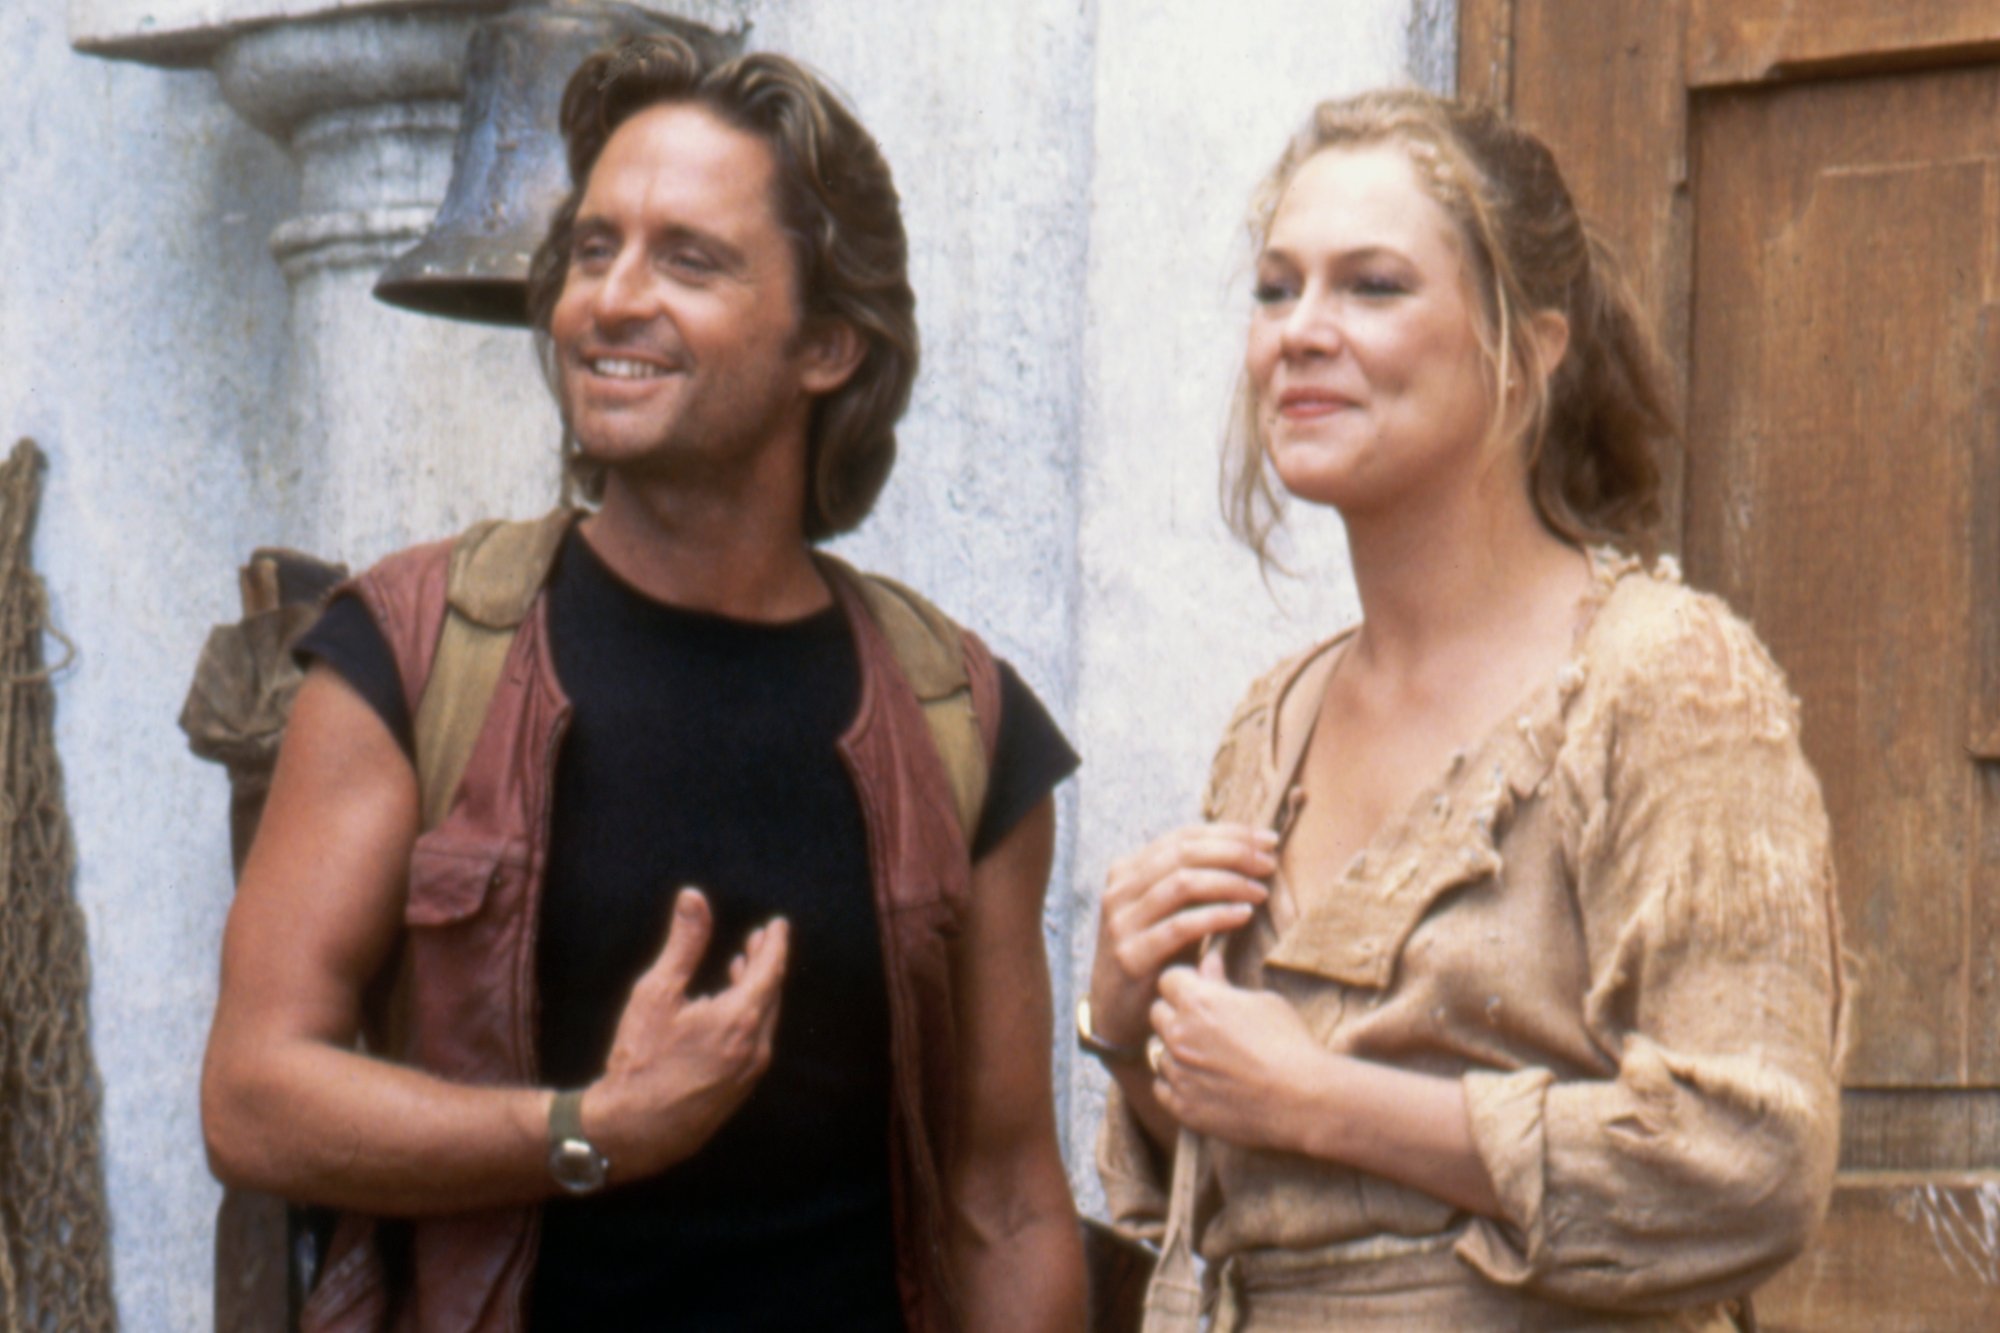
[1457,574]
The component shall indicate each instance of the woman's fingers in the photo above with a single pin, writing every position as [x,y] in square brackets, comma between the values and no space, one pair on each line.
[1161,1016]
[1143,954]
[1161,901]
[1188,887]
[1141,908]
[1248,851]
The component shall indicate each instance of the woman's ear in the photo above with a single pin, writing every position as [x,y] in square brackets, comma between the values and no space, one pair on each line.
[832,353]
[1550,330]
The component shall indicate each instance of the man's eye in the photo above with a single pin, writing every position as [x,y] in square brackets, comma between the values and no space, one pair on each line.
[691,261]
[590,252]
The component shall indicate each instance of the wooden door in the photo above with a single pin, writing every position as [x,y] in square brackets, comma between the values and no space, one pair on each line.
[1810,195]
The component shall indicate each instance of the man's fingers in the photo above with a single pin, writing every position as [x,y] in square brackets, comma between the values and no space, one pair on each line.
[764,963]
[763,976]
[687,940]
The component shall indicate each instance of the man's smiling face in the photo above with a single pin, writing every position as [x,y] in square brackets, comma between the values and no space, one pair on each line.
[678,332]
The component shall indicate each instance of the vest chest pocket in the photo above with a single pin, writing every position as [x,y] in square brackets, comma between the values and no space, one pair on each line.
[464,938]
[920,907]
[454,880]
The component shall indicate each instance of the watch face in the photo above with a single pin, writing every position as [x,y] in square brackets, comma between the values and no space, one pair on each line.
[577,1166]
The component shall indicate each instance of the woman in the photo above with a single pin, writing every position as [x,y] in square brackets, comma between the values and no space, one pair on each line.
[1523,1006]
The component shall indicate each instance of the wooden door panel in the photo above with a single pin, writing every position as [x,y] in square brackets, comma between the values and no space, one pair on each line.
[1876,282]
[1751,41]
[1834,401]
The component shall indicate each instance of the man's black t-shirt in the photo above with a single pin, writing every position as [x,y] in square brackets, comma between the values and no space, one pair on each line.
[701,750]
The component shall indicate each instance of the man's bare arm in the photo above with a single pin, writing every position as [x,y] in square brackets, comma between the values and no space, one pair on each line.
[1014,1244]
[289,1106]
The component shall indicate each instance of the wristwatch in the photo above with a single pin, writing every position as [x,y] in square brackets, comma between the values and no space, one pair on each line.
[574,1161]
[1109,1051]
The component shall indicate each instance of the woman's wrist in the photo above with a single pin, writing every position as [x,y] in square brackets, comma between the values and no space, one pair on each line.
[1118,1017]
[1408,1126]
[1091,1039]
[1322,1117]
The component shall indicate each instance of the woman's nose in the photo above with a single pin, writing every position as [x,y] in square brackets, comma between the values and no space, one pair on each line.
[1311,326]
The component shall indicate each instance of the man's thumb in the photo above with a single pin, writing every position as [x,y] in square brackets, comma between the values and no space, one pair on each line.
[687,938]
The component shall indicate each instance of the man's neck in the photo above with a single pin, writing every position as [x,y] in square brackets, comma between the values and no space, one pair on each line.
[707,553]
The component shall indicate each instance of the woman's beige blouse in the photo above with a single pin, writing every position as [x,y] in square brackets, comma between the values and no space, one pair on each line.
[1613,920]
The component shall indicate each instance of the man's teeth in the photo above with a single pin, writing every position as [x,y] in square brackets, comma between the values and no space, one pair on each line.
[618,368]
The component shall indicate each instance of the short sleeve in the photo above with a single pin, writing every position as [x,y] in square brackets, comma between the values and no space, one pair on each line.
[1705,889]
[346,638]
[1030,757]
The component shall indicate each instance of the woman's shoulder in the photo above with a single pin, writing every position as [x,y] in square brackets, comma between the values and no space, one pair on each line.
[1660,647]
[1272,703]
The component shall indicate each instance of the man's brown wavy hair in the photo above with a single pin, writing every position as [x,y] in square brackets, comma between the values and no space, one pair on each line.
[836,202]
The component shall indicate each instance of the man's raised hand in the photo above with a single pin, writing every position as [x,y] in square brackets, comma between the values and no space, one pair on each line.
[680,1065]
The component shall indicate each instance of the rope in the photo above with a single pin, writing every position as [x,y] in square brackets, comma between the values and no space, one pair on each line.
[55,1257]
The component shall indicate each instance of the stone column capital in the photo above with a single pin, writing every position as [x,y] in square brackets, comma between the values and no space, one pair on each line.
[365,94]
[189,32]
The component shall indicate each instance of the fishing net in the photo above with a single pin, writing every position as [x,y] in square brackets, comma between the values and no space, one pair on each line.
[55,1256]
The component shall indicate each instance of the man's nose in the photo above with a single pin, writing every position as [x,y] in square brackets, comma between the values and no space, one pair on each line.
[625,294]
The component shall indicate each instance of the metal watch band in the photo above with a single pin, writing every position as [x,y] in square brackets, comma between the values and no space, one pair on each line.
[574,1160]
[1108,1051]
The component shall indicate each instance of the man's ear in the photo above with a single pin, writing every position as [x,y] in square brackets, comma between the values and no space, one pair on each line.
[832,353]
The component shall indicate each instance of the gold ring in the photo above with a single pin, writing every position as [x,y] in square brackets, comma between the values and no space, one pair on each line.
[1156,1054]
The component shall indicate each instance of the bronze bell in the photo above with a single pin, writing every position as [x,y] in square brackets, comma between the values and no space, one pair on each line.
[508,174]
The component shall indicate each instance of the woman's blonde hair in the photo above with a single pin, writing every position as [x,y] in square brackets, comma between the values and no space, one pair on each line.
[1593,428]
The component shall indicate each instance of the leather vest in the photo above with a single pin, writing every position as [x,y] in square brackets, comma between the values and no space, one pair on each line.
[471,914]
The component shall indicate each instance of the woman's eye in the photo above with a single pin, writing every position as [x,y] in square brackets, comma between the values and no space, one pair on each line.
[1270,293]
[1377,285]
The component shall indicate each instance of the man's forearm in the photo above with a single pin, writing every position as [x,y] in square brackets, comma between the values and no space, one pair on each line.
[318,1124]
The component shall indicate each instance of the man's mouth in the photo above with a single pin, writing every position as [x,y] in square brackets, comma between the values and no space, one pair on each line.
[623,368]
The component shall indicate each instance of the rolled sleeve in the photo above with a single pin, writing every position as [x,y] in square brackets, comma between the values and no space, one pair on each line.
[1133,1172]
[1506,1114]
[1705,891]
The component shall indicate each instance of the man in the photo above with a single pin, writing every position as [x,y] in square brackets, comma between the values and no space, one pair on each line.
[824,1101]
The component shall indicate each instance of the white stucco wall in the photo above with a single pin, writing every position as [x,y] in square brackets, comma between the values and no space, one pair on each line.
[1074,174]
[141,333]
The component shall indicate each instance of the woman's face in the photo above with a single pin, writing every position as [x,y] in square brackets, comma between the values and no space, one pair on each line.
[1364,358]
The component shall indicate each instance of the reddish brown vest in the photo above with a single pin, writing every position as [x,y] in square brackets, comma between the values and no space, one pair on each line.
[470,923]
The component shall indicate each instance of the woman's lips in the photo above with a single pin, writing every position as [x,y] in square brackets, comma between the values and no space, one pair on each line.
[1303,404]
